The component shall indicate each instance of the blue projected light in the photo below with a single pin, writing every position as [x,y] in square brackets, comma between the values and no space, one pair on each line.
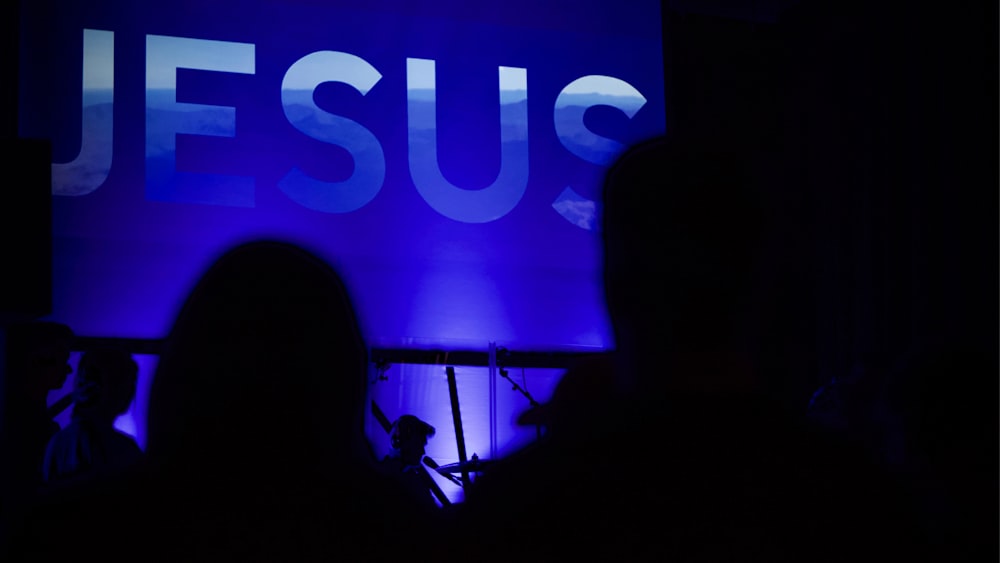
[446,157]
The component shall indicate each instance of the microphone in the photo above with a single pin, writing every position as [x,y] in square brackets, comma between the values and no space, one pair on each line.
[434,465]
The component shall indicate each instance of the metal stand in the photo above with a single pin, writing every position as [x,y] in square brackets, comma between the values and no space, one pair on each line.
[456,414]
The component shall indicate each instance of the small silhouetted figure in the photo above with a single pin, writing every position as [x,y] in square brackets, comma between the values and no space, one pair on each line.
[408,438]
[37,362]
[90,446]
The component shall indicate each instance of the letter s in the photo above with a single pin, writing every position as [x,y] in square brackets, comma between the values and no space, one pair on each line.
[297,90]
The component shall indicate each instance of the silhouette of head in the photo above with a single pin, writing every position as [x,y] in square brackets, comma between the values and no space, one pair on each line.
[680,232]
[105,384]
[263,371]
[407,436]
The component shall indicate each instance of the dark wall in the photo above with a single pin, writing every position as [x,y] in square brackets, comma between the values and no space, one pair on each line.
[25,201]
[875,125]
[8,64]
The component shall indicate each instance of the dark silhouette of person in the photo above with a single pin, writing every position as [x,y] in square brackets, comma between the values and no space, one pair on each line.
[748,478]
[37,362]
[90,446]
[689,458]
[408,436]
[256,418]
[85,465]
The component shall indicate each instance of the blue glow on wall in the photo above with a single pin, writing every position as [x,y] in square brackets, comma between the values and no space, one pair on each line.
[446,157]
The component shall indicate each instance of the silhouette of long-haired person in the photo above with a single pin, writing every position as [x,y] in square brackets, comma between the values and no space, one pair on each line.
[90,446]
[256,433]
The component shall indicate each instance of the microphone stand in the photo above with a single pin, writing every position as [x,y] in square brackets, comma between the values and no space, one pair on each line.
[518,388]
[433,465]
[523,391]
[59,406]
